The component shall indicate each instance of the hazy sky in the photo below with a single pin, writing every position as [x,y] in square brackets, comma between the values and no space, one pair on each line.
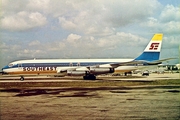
[86,28]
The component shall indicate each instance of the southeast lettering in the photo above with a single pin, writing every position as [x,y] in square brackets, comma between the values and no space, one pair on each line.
[39,68]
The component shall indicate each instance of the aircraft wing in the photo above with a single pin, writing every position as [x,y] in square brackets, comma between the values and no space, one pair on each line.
[114,65]
[111,65]
[160,61]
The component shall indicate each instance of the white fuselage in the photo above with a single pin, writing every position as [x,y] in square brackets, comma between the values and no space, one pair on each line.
[54,66]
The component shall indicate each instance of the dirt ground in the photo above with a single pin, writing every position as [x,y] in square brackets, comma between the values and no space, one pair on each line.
[91,103]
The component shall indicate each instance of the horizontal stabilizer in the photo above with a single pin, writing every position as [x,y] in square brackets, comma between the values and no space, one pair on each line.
[159,61]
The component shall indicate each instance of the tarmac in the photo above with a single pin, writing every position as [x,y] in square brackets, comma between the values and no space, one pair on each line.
[92,103]
[134,77]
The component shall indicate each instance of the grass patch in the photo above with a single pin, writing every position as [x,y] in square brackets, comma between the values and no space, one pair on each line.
[166,82]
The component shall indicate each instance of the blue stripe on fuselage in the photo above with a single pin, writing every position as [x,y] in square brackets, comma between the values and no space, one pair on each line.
[62,64]
[149,56]
[56,64]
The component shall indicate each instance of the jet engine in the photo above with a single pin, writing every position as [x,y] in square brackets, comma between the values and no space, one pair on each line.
[97,71]
[76,73]
[94,71]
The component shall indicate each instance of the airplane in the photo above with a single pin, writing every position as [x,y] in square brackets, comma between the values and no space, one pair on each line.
[88,68]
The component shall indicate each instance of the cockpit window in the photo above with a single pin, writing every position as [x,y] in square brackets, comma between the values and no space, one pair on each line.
[10,65]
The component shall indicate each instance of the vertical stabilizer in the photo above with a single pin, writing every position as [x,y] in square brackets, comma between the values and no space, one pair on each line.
[152,50]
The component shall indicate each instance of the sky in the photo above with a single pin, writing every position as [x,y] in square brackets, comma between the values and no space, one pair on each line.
[86,28]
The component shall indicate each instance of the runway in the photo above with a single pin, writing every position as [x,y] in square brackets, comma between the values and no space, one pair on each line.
[134,77]
[108,98]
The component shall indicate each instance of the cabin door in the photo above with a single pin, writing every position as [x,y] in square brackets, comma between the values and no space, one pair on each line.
[20,66]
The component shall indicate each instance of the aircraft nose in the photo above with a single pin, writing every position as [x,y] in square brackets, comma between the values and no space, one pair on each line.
[4,68]
[2,71]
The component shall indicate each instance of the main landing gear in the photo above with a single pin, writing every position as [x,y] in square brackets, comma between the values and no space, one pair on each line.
[89,76]
[127,73]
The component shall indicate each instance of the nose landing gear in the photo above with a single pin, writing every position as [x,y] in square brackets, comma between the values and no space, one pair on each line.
[21,78]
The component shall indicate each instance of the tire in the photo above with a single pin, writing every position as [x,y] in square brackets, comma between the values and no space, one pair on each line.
[22,78]
[89,77]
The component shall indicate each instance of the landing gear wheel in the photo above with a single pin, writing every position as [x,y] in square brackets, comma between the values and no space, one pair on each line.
[85,77]
[89,77]
[22,78]
[92,77]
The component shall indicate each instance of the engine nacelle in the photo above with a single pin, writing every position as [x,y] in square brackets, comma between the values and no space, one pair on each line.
[76,73]
[97,71]
[94,71]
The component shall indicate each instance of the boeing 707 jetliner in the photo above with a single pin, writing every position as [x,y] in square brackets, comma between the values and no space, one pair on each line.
[88,68]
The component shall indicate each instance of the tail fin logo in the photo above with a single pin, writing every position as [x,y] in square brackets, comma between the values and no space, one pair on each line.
[154,46]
